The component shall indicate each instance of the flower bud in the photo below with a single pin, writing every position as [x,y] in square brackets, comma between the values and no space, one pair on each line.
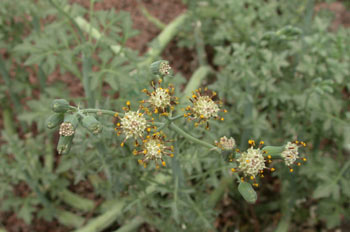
[161,68]
[60,105]
[54,120]
[90,123]
[64,144]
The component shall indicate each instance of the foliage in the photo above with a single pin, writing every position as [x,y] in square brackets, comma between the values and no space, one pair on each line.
[281,75]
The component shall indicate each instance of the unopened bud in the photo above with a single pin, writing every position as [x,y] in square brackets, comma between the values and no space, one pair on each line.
[54,120]
[64,144]
[90,123]
[60,105]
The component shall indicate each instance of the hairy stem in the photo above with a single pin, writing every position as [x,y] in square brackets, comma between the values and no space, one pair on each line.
[191,138]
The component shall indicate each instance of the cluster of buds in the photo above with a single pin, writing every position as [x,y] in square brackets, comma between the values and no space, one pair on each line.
[225,143]
[68,120]
[204,107]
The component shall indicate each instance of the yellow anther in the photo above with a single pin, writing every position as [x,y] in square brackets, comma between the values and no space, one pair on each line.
[148,129]
[134,152]
[242,179]
[247,161]
[140,161]
[116,115]
[304,159]
[140,114]
[262,176]
[156,111]
[298,164]
[272,169]
[128,103]
[252,177]
[225,111]
[222,119]
[145,151]
[296,142]
[171,155]
[201,116]
[262,142]
[172,148]
[144,165]
[291,170]
[194,96]
[118,124]
[122,144]
[256,185]
[233,170]
[269,157]
[163,163]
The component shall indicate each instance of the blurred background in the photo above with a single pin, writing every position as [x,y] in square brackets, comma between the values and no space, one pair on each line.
[280,67]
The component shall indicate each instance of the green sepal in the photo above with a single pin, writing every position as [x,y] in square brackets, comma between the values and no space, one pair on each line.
[64,144]
[54,120]
[73,119]
[247,192]
[90,123]
[273,151]
[60,105]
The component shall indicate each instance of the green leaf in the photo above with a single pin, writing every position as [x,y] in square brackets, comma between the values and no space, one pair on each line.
[247,192]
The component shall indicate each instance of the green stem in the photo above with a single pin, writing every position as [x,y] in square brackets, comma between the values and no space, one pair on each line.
[191,138]
[162,40]
[76,201]
[217,194]
[99,111]
[151,18]
[175,117]
[132,225]
[69,219]
[105,220]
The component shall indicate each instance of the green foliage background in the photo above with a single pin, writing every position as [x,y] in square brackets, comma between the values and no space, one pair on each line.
[281,74]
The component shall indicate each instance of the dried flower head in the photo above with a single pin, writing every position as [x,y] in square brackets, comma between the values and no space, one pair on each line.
[132,124]
[154,148]
[290,153]
[161,100]
[225,143]
[66,129]
[203,107]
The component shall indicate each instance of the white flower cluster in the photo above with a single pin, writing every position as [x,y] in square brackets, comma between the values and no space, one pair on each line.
[66,129]
[204,107]
[133,124]
[164,68]
[290,153]
[251,162]
[160,98]
[225,143]
[154,149]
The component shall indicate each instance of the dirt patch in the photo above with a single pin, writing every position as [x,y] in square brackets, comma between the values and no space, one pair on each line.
[341,14]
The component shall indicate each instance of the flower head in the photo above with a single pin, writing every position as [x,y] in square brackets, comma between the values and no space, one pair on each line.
[154,148]
[203,107]
[132,124]
[290,153]
[225,143]
[161,100]
[66,129]
[251,162]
